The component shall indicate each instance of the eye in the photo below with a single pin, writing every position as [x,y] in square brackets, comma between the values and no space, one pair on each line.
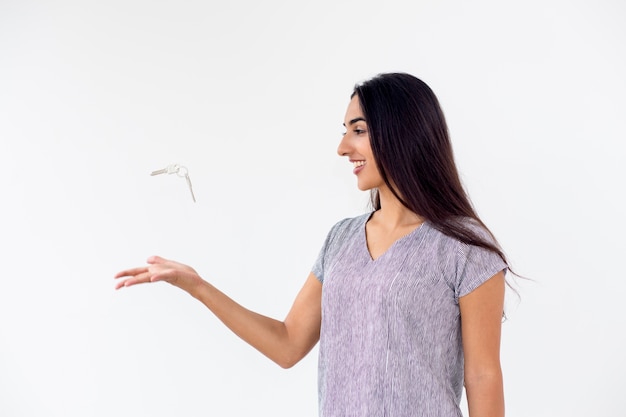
[357,131]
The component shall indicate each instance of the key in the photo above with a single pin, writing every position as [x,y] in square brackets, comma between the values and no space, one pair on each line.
[178,170]
[170,169]
[183,172]
[190,189]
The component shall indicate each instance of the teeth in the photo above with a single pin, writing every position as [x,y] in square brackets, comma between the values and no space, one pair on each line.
[358,163]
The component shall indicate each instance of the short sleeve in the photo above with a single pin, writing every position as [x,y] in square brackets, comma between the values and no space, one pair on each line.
[476,265]
[318,266]
[327,249]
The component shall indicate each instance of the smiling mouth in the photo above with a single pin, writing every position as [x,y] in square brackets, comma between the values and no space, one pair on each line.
[357,164]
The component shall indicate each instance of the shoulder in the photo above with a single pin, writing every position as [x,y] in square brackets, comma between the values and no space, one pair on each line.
[456,254]
[467,265]
[470,228]
[342,235]
[349,226]
[346,230]
[473,226]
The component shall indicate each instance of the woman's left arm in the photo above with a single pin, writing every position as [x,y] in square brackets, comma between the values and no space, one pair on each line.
[481,320]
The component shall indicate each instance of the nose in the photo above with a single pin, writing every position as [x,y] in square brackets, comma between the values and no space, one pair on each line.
[343,148]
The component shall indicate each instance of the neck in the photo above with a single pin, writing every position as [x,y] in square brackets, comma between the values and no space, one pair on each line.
[393,212]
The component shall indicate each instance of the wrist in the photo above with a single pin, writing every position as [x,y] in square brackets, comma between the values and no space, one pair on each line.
[199,288]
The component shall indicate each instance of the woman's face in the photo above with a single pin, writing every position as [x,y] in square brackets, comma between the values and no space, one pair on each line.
[355,144]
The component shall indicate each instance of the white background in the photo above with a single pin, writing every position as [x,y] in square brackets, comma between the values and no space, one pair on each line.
[250,96]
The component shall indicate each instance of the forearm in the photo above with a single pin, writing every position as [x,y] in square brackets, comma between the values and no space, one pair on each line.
[267,335]
[284,342]
[485,396]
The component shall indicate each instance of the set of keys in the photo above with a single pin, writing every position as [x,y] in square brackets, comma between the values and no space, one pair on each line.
[179,170]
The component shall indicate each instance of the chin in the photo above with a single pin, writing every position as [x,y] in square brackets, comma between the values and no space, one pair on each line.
[365,187]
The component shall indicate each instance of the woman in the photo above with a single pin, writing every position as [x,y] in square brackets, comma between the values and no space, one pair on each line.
[406,301]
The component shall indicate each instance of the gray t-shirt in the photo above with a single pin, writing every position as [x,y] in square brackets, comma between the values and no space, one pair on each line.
[390,343]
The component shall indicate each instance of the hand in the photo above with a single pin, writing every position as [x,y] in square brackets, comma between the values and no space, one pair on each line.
[160,269]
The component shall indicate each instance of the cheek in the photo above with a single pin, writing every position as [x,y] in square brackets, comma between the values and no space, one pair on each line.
[370,154]
[376,173]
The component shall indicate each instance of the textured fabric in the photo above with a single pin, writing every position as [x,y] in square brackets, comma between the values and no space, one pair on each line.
[390,343]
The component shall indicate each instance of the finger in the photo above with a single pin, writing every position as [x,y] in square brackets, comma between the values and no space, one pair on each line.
[131,272]
[119,284]
[159,274]
[134,280]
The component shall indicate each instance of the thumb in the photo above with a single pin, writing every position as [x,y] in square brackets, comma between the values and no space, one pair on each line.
[156,260]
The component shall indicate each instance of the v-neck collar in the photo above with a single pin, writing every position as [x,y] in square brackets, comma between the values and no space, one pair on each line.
[395,243]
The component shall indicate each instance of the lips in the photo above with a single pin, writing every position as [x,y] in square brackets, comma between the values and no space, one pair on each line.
[358,166]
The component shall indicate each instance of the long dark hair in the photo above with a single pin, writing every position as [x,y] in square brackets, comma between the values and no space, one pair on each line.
[410,142]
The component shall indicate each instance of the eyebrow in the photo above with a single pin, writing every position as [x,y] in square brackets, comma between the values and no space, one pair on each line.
[356,119]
